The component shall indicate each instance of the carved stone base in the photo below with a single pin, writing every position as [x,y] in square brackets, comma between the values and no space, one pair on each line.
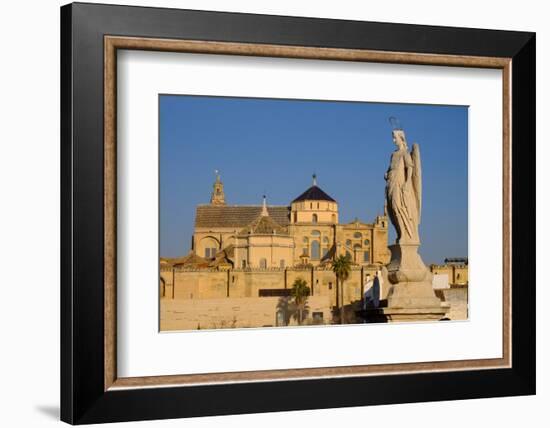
[411,296]
[435,313]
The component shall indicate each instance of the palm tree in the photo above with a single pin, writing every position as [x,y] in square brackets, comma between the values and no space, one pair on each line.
[341,266]
[300,292]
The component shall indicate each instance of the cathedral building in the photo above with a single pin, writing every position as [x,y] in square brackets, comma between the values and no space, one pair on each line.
[306,232]
[245,259]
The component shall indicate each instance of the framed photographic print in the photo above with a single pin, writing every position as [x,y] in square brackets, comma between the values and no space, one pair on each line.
[258,207]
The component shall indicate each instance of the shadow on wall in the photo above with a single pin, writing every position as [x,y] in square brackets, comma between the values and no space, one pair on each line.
[287,311]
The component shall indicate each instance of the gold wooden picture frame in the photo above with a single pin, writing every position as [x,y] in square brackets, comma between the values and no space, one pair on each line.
[114,43]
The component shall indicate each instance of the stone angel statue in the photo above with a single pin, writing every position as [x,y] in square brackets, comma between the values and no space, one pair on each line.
[404,189]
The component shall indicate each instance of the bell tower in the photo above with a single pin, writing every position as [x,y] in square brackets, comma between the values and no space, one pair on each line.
[218,196]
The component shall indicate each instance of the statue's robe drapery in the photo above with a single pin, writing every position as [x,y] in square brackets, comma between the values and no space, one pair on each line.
[403,188]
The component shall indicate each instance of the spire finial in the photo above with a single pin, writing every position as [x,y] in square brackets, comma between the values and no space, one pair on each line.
[264,207]
[218,196]
[314,176]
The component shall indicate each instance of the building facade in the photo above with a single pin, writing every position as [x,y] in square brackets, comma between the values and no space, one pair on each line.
[244,260]
[306,232]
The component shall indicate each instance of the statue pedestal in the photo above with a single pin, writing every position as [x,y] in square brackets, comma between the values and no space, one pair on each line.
[411,296]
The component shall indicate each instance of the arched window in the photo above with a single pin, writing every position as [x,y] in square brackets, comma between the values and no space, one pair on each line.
[348,255]
[315,233]
[357,235]
[357,247]
[314,218]
[325,240]
[366,256]
[306,240]
[315,250]
[210,246]
[263,263]
[367,242]
[348,243]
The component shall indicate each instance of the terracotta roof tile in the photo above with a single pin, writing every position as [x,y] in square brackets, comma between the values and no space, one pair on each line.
[237,216]
[264,225]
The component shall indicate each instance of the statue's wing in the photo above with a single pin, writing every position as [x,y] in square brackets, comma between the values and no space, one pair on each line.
[417,177]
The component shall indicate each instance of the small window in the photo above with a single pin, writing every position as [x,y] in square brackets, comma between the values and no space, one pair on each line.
[295,217]
[315,233]
[357,247]
[334,218]
[282,263]
[311,205]
[348,243]
[315,250]
[348,254]
[357,235]
[330,285]
[263,263]
[210,253]
[366,256]
[314,218]
[243,264]
[317,205]
[366,242]
[305,251]
[325,252]
[306,240]
[325,240]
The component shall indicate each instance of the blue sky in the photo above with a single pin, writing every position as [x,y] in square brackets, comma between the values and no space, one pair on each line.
[274,146]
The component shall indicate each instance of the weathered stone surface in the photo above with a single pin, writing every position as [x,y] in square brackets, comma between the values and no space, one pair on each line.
[394,314]
[411,279]
[411,296]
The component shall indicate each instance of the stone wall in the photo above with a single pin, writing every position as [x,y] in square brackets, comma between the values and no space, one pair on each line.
[215,298]
[458,274]
[209,297]
[181,283]
[458,298]
[238,312]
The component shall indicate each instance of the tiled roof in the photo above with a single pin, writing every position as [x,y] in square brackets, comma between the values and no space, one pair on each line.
[264,225]
[237,216]
[314,193]
[191,259]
